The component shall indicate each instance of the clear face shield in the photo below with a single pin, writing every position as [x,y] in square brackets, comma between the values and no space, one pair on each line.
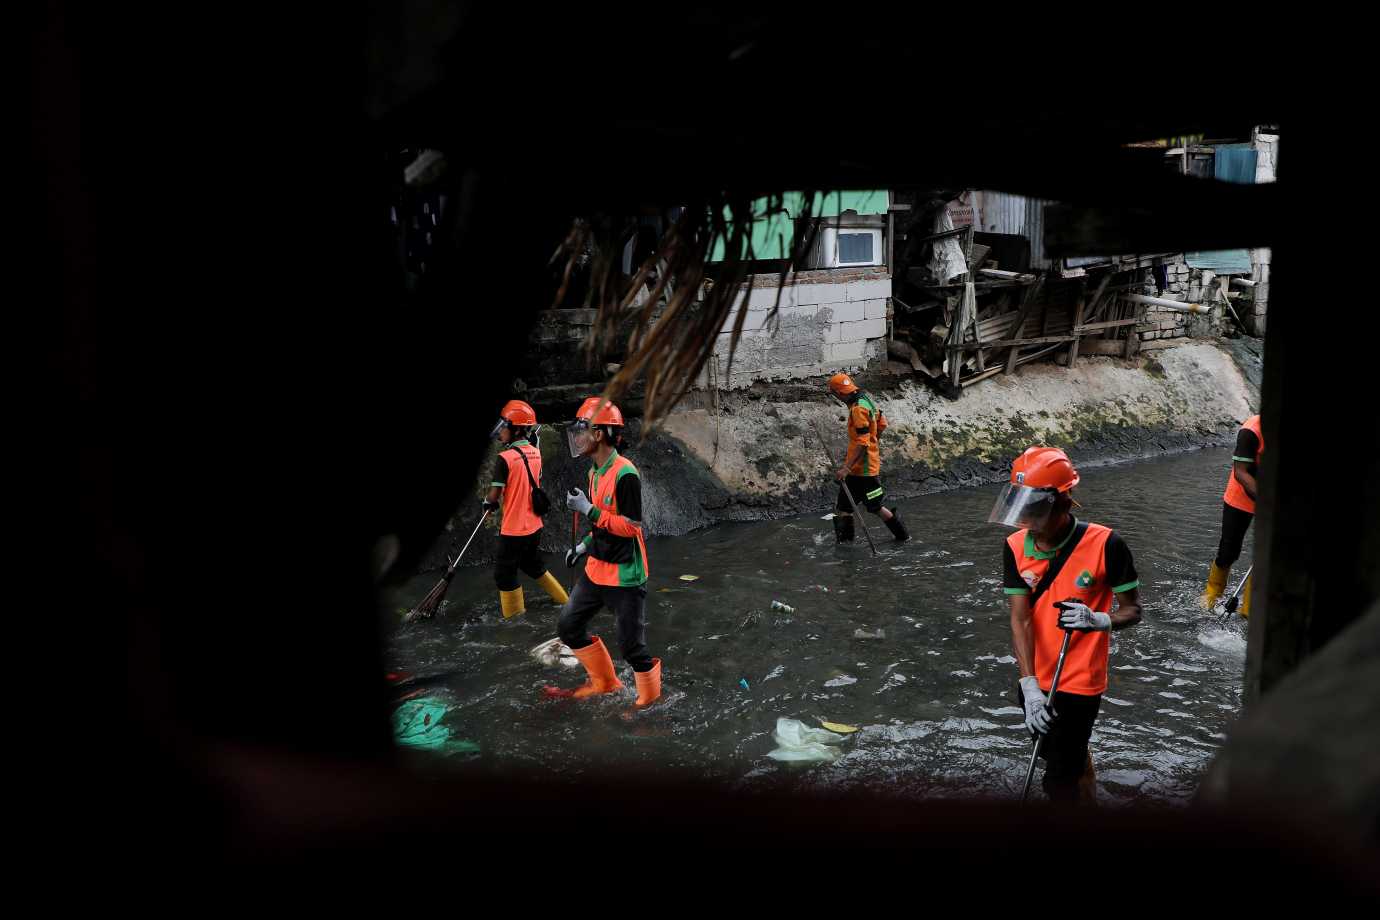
[1023,506]
[502,423]
[579,437]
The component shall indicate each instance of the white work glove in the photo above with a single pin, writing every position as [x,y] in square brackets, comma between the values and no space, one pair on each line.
[1036,715]
[1076,615]
[572,555]
[576,501]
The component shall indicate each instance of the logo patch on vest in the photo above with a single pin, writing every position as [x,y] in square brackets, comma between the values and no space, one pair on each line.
[1030,578]
[1085,579]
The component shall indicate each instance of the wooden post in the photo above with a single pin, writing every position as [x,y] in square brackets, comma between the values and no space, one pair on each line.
[1132,336]
[1030,294]
[1078,320]
[715,356]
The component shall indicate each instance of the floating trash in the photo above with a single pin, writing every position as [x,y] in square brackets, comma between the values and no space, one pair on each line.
[828,517]
[553,652]
[745,686]
[843,729]
[797,741]
[861,634]
[417,723]
[842,680]
[401,610]
[777,605]
[671,590]
[820,588]
[689,577]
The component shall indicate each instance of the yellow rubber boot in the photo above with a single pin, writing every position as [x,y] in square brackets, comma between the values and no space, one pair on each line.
[1246,597]
[1087,783]
[551,586]
[649,683]
[512,602]
[1216,584]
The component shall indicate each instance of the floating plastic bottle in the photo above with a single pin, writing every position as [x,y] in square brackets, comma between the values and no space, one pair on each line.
[777,605]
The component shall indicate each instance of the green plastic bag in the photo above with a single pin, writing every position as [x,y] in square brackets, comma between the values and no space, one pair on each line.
[417,723]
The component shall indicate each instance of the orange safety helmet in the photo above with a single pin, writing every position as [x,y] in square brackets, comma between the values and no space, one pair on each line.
[1044,467]
[516,414]
[592,412]
[1037,477]
[842,384]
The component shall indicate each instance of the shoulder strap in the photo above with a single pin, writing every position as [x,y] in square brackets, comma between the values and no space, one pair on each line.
[1057,565]
[523,455]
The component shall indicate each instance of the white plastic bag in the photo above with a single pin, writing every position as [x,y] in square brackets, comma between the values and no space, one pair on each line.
[799,742]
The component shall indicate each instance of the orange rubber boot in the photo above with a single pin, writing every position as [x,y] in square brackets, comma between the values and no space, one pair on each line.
[649,683]
[597,661]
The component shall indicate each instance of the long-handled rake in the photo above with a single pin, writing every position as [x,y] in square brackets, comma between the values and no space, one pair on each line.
[434,597]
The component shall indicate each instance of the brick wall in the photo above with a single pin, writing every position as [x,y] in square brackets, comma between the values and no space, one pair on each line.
[830,321]
[1185,285]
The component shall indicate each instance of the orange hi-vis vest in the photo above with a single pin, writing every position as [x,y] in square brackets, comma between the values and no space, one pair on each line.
[1083,576]
[1236,493]
[519,519]
[865,425]
[613,558]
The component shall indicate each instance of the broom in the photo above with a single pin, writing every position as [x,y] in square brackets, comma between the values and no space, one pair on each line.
[433,599]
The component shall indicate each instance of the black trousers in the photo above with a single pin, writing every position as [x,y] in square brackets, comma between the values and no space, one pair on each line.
[1066,745]
[518,553]
[860,487]
[628,606]
[1234,524]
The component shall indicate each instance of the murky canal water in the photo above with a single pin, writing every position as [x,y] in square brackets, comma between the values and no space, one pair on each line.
[934,694]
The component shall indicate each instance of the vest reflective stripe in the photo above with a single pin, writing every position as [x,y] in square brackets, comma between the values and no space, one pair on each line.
[1084,576]
[519,519]
[1236,493]
[603,493]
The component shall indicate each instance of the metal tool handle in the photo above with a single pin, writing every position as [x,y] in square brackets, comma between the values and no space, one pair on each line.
[1231,605]
[1040,742]
[469,541]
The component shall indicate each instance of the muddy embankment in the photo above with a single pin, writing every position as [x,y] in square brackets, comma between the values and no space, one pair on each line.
[769,463]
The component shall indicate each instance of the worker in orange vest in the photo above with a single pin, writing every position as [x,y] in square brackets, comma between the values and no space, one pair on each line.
[862,464]
[516,474]
[615,574]
[1238,510]
[1052,555]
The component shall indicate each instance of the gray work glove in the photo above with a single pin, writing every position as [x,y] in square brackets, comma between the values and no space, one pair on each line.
[491,506]
[576,501]
[1036,713]
[1074,614]
[573,555]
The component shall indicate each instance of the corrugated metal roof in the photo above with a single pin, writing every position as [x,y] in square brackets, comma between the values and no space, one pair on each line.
[1006,213]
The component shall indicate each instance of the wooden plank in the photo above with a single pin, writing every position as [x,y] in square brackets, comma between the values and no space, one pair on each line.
[980,285]
[1026,304]
[1041,340]
[1109,324]
[1103,347]
[983,376]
